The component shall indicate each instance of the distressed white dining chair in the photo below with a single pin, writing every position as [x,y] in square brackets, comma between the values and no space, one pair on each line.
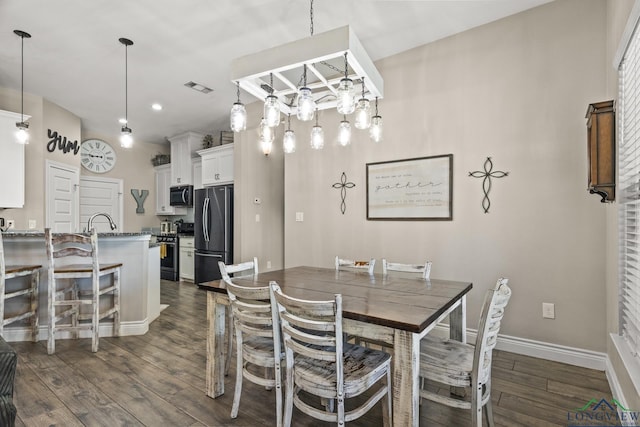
[456,364]
[31,276]
[342,264]
[319,363]
[255,346]
[424,270]
[243,269]
[71,297]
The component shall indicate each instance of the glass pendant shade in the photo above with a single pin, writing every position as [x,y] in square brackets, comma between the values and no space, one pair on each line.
[363,114]
[272,111]
[238,117]
[317,137]
[344,133]
[289,142]
[306,105]
[266,135]
[375,131]
[126,138]
[346,101]
[22,133]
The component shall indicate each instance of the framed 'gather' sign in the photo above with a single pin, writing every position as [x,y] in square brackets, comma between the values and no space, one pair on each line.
[411,189]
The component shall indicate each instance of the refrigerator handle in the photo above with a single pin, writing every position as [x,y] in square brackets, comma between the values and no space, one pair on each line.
[208,255]
[205,232]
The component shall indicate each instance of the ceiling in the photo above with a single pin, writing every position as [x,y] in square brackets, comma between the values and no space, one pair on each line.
[74,58]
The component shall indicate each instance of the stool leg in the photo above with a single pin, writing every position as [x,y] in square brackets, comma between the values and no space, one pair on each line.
[95,314]
[51,330]
[74,317]
[35,279]
[116,303]
[2,291]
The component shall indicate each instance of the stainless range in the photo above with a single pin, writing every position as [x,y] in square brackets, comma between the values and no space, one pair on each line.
[168,256]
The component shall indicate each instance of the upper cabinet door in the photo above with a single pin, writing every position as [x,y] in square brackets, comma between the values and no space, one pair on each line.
[182,148]
[11,162]
[217,165]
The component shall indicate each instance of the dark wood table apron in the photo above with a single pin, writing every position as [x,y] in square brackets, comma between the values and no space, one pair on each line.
[394,309]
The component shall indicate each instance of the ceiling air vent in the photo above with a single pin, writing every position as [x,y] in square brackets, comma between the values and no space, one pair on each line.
[198,87]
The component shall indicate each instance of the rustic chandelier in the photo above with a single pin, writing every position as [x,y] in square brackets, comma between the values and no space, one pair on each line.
[300,78]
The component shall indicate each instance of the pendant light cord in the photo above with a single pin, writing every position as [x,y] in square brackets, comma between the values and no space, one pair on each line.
[311,16]
[22,80]
[126,85]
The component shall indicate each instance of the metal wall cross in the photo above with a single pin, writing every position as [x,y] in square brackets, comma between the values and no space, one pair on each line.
[487,174]
[343,185]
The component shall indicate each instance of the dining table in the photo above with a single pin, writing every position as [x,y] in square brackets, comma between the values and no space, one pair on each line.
[397,310]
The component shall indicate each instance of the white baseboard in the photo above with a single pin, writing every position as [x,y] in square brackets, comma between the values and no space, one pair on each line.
[106,330]
[543,350]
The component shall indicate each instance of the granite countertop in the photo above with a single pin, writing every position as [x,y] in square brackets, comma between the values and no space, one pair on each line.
[38,233]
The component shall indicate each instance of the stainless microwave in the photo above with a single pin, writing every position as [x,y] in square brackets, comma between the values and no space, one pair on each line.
[181,195]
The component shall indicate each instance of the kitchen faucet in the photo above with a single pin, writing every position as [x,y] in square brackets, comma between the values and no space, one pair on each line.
[90,222]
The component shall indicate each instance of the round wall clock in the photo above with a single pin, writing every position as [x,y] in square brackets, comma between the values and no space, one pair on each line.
[97,156]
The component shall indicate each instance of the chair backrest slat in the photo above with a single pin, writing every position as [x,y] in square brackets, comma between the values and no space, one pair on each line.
[342,263]
[251,309]
[243,269]
[422,269]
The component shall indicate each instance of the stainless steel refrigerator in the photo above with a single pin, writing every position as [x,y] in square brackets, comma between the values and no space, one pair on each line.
[213,231]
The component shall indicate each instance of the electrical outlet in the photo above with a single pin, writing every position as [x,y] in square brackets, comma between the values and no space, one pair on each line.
[257,217]
[10,224]
[32,224]
[548,310]
[268,264]
[299,216]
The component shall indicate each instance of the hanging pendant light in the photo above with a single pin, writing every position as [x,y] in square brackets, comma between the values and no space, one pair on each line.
[346,103]
[317,135]
[126,138]
[363,112]
[289,139]
[272,107]
[266,135]
[375,131]
[344,132]
[238,114]
[306,103]
[22,134]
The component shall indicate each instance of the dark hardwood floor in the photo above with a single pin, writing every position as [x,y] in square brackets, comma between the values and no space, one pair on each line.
[159,380]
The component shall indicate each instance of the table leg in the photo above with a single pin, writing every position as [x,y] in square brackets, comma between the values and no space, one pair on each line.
[406,365]
[215,345]
[458,322]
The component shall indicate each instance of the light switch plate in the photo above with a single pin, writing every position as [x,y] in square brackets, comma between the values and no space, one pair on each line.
[548,310]
[299,216]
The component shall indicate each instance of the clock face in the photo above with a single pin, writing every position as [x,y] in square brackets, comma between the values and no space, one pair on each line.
[97,156]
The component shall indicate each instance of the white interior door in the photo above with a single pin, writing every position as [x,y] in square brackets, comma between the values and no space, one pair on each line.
[101,195]
[62,182]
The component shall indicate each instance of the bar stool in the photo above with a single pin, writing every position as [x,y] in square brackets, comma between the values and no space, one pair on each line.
[13,271]
[77,245]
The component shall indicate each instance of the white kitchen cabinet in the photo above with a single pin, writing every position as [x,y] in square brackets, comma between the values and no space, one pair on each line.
[183,146]
[197,173]
[187,259]
[163,182]
[11,162]
[217,165]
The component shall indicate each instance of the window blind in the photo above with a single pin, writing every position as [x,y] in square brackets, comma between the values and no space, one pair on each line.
[629,193]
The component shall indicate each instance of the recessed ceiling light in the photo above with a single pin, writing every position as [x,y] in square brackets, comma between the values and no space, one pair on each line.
[156,106]
[122,121]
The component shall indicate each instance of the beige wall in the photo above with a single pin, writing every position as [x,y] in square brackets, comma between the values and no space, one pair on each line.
[257,175]
[516,90]
[133,166]
[617,16]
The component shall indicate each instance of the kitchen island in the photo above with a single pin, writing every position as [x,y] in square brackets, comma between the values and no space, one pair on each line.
[137,286]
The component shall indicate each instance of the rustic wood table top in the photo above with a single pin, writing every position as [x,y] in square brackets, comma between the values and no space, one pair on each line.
[399,302]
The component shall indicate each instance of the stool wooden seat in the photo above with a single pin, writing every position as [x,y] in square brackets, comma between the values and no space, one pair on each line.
[78,245]
[8,272]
